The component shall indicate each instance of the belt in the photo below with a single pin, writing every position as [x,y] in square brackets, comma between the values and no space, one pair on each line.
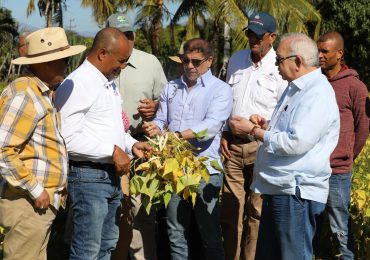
[92,165]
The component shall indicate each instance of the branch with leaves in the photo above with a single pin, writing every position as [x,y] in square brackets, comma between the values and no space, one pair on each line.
[171,167]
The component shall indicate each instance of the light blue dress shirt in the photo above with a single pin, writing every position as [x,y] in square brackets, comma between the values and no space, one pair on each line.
[206,106]
[303,132]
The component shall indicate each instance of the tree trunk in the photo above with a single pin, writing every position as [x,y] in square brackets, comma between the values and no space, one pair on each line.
[156,28]
[227,49]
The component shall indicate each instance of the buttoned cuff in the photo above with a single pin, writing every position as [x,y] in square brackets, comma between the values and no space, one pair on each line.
[36,191]
[266,139]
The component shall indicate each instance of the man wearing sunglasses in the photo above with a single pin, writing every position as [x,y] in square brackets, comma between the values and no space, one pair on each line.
[257,86]
[140,85]
[190,104]
[351,94]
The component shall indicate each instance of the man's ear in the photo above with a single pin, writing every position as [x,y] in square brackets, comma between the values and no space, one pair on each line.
[340,55]
[102,53]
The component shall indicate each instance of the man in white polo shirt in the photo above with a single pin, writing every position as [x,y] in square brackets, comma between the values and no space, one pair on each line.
[140,84]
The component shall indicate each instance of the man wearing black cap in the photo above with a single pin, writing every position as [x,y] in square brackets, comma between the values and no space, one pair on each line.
[257,86]
[140,84]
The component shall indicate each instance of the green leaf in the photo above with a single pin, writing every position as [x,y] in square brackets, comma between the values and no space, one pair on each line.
[145,202]
[153,187]
[166,198]
[216,166]
[201,135]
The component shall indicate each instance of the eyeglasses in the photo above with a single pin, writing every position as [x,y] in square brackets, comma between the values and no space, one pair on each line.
[195,62]
[281,59]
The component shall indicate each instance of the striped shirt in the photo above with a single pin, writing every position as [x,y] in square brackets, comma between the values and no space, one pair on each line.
[33,155]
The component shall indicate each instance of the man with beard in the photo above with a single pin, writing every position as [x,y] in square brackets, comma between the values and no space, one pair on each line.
[257,86]
[351,95]
[90,108]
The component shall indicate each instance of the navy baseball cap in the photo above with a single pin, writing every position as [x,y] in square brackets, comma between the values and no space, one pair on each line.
[261,23]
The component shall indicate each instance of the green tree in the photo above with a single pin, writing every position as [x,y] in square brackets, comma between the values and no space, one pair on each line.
[291,16]
[51,9]
[8,33]
[351,19]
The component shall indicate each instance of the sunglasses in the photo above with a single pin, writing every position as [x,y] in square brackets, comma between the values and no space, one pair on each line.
[251,34]
[195,62]
[281,59]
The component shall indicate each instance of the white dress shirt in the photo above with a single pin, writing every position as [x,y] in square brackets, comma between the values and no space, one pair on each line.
[256,87]
[91,114]
[302,133]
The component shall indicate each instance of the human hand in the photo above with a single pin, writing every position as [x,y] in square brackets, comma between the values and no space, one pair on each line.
[147,108]
[150,129]
[42,202]
[225,140]
[140,148]
[121,161]
[240,126]
[259,120]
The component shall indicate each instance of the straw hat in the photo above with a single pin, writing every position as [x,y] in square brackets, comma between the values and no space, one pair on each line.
[180,53]
[48,44]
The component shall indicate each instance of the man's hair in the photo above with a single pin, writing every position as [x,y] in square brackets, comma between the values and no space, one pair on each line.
[106,38]
[333,36]
[198,45]
[303,46]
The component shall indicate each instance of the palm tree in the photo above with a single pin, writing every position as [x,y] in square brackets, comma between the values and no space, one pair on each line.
[51,9]
[290,15]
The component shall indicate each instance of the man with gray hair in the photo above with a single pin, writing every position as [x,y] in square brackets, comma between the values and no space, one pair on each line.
[292,168]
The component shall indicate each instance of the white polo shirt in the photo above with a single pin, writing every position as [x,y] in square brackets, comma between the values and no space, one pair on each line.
[91,113]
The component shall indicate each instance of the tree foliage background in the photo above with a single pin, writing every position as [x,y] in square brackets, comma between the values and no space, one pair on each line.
[352,20]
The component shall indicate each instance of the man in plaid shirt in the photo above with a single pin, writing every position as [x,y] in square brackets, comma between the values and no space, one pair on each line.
[33,157]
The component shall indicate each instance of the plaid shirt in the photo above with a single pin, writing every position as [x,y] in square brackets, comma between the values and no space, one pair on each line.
[33,155]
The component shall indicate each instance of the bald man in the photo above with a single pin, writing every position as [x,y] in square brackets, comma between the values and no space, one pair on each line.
[98,148]
[351,95]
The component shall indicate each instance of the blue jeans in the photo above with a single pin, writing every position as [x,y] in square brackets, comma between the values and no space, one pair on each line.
[337,208]
[207,215]
[95,197]
[287,227]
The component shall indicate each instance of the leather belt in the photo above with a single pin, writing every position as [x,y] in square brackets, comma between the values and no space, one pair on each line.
[91,165]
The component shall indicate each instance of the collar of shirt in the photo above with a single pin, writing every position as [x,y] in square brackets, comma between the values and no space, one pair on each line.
[267,59]
[204,80]
[303,81]
[104,81]
[43,88]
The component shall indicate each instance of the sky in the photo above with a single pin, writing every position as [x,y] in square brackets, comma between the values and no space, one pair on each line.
[79,19]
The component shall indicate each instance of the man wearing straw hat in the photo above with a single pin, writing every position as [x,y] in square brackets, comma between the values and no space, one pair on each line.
[33,157]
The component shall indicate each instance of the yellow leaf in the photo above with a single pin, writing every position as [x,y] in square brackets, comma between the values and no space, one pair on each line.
[361,198]
[170,165]
[143,167]
[179,187]
[193,198]
[205,174]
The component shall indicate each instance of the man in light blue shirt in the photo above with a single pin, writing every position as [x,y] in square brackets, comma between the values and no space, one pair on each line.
[292,169]
[190,104]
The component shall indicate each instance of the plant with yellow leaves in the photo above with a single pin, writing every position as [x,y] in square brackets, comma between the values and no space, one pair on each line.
[171,167]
